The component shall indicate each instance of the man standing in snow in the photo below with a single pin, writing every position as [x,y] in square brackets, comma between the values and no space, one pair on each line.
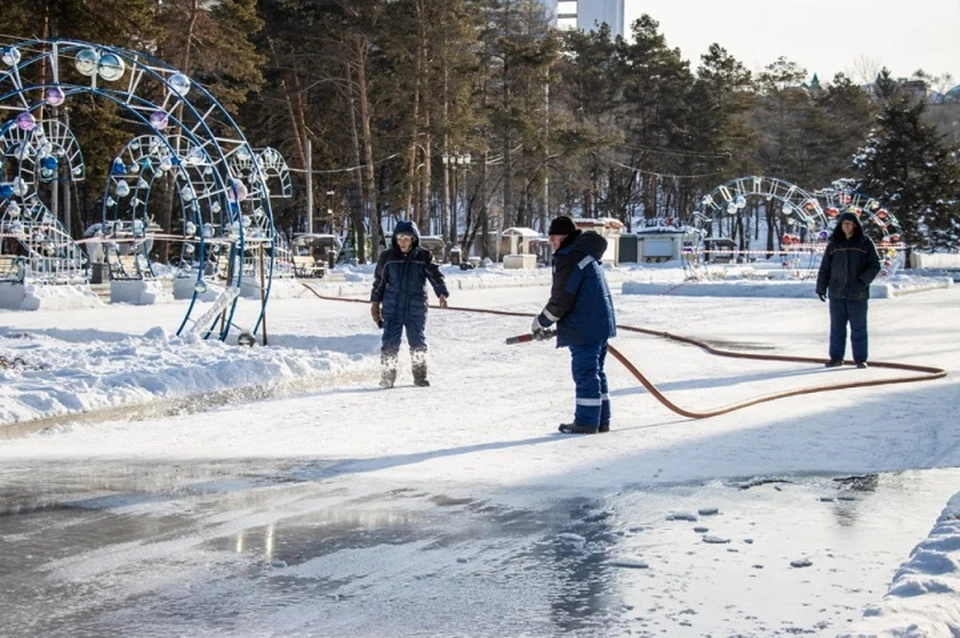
[398,301]
[581,306]
[849,264]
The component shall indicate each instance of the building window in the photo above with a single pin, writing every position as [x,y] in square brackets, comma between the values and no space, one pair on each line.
[567,9]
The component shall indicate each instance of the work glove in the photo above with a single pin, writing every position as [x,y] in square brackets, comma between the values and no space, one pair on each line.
[537,329]
[376,314]
[823,296]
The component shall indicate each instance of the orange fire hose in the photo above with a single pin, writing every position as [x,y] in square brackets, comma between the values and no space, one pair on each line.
[927,373]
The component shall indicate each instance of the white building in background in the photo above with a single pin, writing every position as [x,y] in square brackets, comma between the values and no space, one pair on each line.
[587,14]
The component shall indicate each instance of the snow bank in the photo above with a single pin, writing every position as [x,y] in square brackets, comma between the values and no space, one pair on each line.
[924,597]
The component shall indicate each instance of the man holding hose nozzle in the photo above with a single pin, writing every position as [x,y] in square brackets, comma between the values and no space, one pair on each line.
[581,306]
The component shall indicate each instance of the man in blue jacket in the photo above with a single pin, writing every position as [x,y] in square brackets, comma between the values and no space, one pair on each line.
[581,306]
[849,264]
[399,301]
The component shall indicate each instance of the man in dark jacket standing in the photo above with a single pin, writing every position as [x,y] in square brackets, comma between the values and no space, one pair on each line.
[398,301]
[581,306]
[850,263]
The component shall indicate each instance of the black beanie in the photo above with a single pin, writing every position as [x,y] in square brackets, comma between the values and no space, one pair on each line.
[562,225]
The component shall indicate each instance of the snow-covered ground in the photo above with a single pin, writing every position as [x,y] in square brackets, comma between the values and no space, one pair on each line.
[822,497]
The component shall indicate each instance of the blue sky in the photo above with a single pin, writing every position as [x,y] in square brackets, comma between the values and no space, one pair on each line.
[823,36]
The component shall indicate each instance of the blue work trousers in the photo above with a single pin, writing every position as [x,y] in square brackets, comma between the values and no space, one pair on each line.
[393,332]
[854,312]
[593,398]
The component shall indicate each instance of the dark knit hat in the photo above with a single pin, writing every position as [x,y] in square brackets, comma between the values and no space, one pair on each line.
[562,225]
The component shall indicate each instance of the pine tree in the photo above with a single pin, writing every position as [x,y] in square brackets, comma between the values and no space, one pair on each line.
[908,168]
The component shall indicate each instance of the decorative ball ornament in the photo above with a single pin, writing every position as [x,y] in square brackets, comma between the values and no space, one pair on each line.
[6,191]
[179,83]
[187,194]
[246,339]
[123,188]
[165,164]
[118,167]
[741,202]
[200,287]
[190,229]
[55,96]
[159,120]
[13,211]
[111,67]
[188,249]
[49,162]
[10,55]
[731,208]
[195,156]
[20,187]
[26,121]
[237,190]
[86,62]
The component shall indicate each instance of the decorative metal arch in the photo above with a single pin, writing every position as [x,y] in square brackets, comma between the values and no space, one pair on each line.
[276,182]
[878,223]
[716,211]
[276,172]
[41,248]
[719,220]
[198,133]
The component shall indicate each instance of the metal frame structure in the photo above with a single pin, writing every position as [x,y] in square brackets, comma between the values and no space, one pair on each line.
[31,236]
[197,135]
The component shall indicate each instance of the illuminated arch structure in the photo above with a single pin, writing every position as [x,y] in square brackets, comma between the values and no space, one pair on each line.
[878,223]
[222,206]
[34,245]
[719,215]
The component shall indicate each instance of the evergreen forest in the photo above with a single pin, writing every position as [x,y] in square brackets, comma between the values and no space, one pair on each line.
[471,116]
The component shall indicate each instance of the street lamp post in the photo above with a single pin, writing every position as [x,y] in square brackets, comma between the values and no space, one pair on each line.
[456,161]
[333,223]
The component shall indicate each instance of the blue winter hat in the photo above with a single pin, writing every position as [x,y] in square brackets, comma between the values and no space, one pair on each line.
[406,228]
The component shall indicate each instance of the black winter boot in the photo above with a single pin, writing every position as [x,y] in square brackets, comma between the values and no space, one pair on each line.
[420,376]
[419,361]
[577,428]
[388,369]
[387,378]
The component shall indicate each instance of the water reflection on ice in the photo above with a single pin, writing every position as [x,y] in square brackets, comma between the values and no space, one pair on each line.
[243,549]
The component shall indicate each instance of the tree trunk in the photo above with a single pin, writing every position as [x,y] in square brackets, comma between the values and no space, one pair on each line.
[360,49]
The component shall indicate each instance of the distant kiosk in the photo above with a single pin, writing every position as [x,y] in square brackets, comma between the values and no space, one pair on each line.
[610,229]
[661,239]
[522,252]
